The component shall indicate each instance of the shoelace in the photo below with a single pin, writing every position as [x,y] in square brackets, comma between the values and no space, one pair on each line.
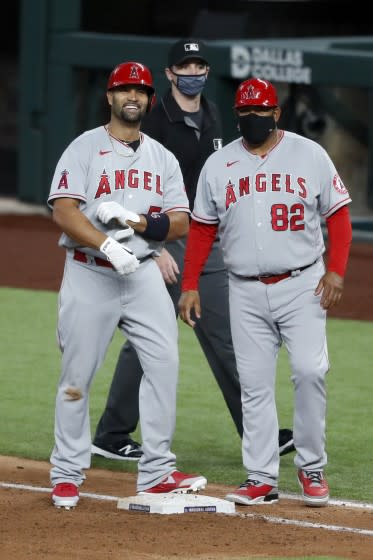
[315,477]
[249,483]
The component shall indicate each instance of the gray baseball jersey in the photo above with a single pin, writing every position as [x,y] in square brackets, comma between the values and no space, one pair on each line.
[96,167]
[268,207]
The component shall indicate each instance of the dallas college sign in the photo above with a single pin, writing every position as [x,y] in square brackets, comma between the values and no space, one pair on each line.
[273,64]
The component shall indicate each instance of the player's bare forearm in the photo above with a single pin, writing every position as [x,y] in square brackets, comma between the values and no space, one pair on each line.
[140,226]
[189,303]
[75,224]
[331,289]
[179,225]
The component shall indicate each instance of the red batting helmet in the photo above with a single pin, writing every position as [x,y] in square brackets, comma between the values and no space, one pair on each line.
[132,73]
[256,92]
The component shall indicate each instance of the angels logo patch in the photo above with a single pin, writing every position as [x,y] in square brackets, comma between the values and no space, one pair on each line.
[338,185]
[63,181]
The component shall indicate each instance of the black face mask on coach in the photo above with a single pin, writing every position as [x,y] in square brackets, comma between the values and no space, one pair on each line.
[255,129]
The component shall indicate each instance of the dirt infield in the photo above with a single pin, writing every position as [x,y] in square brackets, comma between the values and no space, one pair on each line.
[30,528]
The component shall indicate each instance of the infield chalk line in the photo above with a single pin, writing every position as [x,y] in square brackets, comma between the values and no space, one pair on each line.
[268,518]
[283,521]
[340,503]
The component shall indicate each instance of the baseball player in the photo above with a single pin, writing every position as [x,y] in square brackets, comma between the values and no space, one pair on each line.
[265,193]
[117,195]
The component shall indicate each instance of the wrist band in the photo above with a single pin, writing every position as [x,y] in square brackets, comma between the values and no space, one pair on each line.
[158,225]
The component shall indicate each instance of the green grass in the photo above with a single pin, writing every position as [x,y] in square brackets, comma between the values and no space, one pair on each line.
[205,438]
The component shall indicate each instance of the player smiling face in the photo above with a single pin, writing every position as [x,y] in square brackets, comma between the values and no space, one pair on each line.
[129,102]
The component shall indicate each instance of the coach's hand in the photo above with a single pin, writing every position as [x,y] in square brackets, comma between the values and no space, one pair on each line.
[331,289]
[122,259]
[189,303]
[113,211]
[168,267]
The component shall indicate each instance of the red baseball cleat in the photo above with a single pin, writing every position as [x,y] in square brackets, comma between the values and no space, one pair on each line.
[254,492]
[65,494]
[315,489]
[177,482]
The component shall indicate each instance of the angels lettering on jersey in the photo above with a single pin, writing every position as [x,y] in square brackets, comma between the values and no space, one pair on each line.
[131,178]
[265,182]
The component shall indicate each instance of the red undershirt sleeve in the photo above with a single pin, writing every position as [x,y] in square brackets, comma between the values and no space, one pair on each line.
[339,240]
[198,247]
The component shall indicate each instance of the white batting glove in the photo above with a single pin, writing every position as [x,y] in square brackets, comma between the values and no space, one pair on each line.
[122,259]
[112,210]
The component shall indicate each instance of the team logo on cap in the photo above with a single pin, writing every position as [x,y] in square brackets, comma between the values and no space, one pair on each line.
[189,47]
[250,93]
[134,73]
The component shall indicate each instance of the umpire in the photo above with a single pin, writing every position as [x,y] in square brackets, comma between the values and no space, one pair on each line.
[189,125]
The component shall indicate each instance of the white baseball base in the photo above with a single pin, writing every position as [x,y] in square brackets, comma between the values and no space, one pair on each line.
[176,503]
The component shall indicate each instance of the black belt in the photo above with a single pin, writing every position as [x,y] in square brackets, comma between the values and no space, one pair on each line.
[88,259]
[273,278]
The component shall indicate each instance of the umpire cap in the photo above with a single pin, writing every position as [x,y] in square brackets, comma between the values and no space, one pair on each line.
[185,49]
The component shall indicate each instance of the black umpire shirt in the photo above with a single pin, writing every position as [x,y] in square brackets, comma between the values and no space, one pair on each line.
[191,145]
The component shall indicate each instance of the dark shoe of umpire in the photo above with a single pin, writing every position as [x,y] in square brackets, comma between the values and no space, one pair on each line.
[125,450]
[285,441]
